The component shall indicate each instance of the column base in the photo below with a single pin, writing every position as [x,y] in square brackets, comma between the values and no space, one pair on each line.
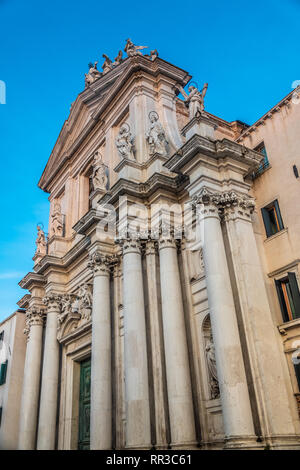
[243,443]
[185,445]
[143,447]
[284,442]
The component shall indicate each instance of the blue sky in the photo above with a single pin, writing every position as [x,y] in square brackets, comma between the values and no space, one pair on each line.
[248,52]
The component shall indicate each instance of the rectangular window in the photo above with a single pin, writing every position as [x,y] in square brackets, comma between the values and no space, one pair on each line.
[2,335]
[289,297]
[272,218]
[297,372]
[265,163]
[3,369]
[0,414]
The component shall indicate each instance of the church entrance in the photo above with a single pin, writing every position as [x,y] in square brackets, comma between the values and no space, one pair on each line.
[84,405]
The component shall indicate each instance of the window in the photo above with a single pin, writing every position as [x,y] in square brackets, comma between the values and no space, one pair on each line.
[289,297]
[297,372]
[1,335]
[0,414]
[272,218]
[3,369]
[265,163]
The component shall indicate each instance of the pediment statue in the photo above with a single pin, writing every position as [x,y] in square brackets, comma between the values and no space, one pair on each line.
[41,243]
[195,99]
[156,136]
[124,142]
[99,175]
[57,218]
[132,50]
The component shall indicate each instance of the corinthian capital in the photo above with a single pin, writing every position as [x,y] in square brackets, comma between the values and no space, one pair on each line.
[52,301]
[35,315]
[100,263]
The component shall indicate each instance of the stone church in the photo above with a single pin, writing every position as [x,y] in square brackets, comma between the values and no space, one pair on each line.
[163,309]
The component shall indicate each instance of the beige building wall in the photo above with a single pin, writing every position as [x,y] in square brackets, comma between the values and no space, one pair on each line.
[10,392]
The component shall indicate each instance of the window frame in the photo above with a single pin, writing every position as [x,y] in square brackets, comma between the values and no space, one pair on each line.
[285,296]
[265,212]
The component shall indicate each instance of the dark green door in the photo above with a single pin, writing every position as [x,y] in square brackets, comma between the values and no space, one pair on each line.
[84,405]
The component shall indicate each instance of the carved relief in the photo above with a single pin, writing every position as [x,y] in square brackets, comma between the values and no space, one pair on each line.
[156,136]
[76,309]
[125,142]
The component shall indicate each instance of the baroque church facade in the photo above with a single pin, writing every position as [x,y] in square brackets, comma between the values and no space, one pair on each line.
[142,334]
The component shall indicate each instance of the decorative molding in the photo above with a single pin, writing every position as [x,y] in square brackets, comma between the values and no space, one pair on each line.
[101,263]
[53,301]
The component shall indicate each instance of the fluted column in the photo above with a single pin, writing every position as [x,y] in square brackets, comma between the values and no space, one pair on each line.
[156,346]
[176,352]
[31,381]
[236,408]
[49,390]
[101,387]
[136,367]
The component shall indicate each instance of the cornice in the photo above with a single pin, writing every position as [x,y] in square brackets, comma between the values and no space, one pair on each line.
[64,262]
[30,279]
[24,301]
[217,149]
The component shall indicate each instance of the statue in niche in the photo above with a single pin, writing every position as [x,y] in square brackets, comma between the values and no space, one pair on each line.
[118,59]
[99,176]
[92,75]
[56,221]
[41,244]
[195,99]
[124,142]
[212,368]
[153,54]
[107,64]
[132,50]
[156,136]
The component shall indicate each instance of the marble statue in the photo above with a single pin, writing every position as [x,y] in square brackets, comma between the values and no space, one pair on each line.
[57,221]
[99,176]
[118,59]
[107,64]
[131,49]
[153,54]
[156,136]
[41,244]
[211,363]
[195,99]
[92,75]
[124,142]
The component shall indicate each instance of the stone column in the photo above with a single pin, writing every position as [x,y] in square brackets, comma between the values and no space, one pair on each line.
[31,381]
[136,367]
[176,352]
[101,387]
[272,393]
[157,350]
[48,401]
[236,408]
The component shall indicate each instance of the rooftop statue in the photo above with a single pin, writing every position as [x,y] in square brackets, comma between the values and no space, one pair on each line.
[124,142]
[118,59]
[131,49]
[153,54]
[195,99]
[107,64]
[41,244]
[92,75]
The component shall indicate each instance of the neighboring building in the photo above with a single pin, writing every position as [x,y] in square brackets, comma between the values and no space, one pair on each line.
[12,357]
[143,339]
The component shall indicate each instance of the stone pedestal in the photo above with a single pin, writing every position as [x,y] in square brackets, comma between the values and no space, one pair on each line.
[49,390]
[31,383]
[201,125]
[101,387]
[136,365]
[176,353]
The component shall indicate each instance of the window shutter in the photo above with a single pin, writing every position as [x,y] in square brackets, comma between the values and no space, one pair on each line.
[282,305]
[295,292]
[278,214]
[3,373]
[266,218]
